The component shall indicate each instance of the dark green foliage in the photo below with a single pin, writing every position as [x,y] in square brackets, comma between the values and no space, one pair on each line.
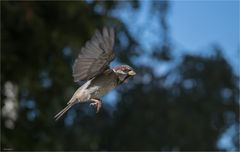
[187,114]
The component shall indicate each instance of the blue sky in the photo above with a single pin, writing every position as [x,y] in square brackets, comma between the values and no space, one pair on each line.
[194,25]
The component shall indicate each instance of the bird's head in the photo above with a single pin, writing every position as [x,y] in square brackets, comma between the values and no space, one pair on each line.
[124,72]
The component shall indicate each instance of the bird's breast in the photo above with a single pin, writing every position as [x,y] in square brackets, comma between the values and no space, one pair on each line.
[105,83]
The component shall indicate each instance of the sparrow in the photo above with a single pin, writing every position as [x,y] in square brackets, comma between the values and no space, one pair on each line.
[92,67]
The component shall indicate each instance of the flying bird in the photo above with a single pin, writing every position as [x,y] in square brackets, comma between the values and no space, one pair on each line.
[92,67]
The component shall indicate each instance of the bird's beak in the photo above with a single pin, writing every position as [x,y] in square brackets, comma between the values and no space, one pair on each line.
[131,73]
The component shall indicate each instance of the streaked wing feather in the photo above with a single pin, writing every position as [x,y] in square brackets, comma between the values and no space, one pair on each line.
[95,56]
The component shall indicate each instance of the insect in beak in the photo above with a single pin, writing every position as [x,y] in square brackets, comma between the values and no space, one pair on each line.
[131,73]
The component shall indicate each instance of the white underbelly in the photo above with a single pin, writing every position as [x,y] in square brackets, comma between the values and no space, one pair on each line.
[102,90]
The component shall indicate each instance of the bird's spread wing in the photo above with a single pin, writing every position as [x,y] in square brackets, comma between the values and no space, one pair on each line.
[95,56]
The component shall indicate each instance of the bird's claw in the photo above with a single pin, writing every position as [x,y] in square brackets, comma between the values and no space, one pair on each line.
[97,103]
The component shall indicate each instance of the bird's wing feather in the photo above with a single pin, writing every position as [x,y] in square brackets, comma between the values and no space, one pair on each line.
[95,57]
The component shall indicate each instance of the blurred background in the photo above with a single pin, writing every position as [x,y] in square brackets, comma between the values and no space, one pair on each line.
[185,95]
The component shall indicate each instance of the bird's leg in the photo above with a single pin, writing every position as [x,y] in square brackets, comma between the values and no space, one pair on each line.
[97,103]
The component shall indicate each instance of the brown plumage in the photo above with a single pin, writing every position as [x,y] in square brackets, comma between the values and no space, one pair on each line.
[92,66]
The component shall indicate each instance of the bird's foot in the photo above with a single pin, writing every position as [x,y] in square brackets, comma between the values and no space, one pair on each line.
[97,103]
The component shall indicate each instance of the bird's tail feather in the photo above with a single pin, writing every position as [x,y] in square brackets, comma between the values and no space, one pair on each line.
[60,114]
[72,100]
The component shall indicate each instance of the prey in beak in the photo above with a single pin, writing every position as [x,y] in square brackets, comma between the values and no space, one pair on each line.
[131,73]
